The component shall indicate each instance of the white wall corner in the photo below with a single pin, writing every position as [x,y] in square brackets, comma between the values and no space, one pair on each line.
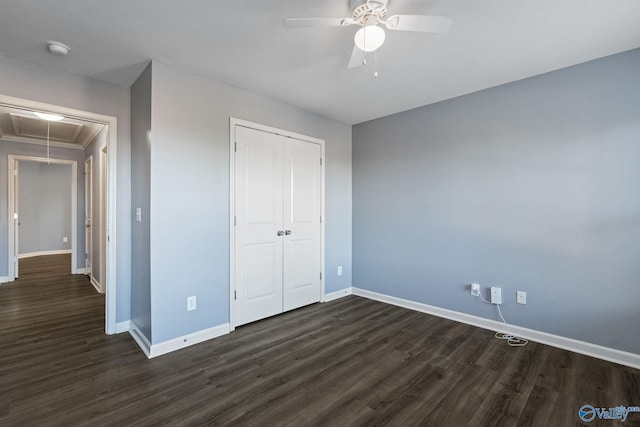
[337,294]
[123,326]
[79,271]
[140,339]
[600,352]
[188,340]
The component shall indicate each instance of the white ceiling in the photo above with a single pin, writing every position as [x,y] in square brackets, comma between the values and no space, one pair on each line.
[243,43]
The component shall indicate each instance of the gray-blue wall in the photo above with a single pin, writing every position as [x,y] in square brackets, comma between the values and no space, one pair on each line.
[140,198]
[189,206]
[44,206]
[531,185]
[29,81]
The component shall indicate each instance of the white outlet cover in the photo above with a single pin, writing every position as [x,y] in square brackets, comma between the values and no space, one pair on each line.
[521,297]
[191,303]
[496,295]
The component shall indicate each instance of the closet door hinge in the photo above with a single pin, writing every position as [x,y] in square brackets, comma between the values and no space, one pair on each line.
[321,276]
[235,221]
[235,146]
[320,161]
[235,295]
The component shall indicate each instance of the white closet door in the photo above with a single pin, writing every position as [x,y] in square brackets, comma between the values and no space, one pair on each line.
[258,210]
[302,210]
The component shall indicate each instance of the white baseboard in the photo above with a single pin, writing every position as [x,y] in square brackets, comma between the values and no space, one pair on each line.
[41,253]
[337,294]
[609,354]
[123,326]
[140,339]
[79,271]
[155,350]
[95,284]
[4,279]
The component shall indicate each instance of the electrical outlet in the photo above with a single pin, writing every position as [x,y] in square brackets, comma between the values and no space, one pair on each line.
[521,297]
[191,303]
[475,289]
[496,295]
[65,239]
[339,270]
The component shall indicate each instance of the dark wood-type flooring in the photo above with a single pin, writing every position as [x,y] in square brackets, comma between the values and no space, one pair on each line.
[349,362]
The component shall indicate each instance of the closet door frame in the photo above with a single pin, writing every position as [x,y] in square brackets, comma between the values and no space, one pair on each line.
[233,122]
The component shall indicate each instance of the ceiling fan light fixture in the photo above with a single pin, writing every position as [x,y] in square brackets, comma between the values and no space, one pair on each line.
[369,38]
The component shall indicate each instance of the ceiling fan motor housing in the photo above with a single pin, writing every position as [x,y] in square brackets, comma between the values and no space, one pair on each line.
[363,9]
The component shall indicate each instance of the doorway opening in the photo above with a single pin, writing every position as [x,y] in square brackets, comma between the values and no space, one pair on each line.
[107,210]
[43,202]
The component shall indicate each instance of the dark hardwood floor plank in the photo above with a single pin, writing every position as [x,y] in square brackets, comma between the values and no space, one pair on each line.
[350,362]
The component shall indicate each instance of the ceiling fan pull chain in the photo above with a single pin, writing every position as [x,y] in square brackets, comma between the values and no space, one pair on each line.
[375,63]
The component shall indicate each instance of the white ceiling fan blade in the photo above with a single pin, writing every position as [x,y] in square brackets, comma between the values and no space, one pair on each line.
[318,22]
[422,23]
[357,57]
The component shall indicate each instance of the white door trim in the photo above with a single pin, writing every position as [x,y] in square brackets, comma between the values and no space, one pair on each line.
[112,144]
[13,159]
[233,122]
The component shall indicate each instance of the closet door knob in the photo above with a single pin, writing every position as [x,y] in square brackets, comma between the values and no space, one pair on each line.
[288,232]
[280,233]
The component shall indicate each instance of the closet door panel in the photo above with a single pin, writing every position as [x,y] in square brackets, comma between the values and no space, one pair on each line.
[302,209]
[259,213]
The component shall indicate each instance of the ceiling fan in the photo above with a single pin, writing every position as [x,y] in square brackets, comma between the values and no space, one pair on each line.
[370,15]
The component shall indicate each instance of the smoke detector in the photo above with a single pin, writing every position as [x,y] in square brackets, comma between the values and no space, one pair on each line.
[58,48]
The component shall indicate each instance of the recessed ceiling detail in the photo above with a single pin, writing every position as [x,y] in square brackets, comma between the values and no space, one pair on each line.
[33,127]
[18,125]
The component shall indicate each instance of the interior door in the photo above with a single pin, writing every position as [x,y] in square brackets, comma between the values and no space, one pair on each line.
[16,221]
[103,232]
[258,225]
[302,210]
[88,210]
